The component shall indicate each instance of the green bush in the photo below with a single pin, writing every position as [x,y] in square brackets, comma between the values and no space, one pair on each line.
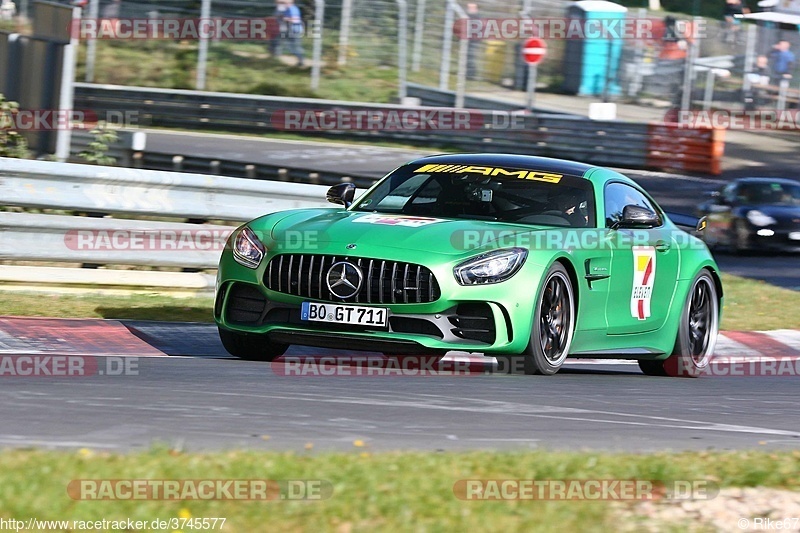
[12,144]
[96,152]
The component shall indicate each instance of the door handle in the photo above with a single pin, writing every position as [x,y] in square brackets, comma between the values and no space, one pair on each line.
[662,246]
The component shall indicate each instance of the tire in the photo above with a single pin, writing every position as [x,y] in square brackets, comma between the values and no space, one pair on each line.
[553,324]
[697,333]
[740,238]
[652,368]
[250,346]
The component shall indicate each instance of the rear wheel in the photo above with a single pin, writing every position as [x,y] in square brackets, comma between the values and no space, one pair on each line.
[252,347]
[553,324]
[697,334]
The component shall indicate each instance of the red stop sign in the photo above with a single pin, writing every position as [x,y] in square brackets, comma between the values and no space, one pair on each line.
[534,51]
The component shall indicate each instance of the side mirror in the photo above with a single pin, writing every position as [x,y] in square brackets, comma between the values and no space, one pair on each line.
[342,193]
[635,216]
[717,198]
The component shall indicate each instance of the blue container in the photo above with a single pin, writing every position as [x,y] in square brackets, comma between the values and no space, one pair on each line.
[591,62]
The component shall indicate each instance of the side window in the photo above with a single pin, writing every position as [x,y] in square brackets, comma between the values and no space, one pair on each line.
[617,196]
[729,193]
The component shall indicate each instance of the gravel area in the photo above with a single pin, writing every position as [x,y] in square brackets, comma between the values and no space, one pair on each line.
[733,509]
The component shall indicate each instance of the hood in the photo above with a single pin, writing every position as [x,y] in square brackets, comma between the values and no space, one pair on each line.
[371,232]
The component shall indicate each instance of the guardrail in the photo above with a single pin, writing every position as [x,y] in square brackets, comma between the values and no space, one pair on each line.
[48,185]
[124,151]
[102,241]
[612,143]
[94,241]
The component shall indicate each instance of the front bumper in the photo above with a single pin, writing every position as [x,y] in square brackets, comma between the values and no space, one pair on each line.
[770,238]
[491,318]
[466,325]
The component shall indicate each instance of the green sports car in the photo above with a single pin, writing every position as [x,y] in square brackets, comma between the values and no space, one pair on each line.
[527,259]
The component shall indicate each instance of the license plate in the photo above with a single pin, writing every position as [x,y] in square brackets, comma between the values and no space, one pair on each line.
[795,235]
[344,314]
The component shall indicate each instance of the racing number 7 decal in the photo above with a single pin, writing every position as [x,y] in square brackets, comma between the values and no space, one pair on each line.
[644,273]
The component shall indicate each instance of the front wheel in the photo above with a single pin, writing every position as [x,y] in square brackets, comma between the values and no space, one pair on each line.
[553,324]
[252,347]
[741,238]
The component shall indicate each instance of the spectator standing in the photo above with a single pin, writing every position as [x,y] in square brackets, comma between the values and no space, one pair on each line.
[783,61]
[279,28]
[295,30]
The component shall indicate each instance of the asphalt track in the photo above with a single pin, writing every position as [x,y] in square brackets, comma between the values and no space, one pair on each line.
[195,397]
[187,392]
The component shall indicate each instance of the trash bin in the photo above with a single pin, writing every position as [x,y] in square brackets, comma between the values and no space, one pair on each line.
[494,61]
[591,65]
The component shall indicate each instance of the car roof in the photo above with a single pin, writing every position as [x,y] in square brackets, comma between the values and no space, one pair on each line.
[754,179]
[526,162]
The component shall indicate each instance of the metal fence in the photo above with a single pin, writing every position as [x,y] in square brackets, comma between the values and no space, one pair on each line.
[358,33]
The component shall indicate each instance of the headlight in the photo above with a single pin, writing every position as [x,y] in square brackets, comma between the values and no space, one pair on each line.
[757,218]
[247,249]
[492,267]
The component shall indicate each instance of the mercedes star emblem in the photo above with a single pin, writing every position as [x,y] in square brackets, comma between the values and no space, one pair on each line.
[344,279]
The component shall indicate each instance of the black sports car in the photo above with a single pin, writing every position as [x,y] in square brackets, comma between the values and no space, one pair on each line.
[754,214]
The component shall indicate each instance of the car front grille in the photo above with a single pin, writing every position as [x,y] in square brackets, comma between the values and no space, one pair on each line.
[384,281]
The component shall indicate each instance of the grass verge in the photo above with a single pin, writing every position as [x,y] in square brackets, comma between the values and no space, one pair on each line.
[749,305]
[134,307]
[752,305]
[404,491]
[237,68]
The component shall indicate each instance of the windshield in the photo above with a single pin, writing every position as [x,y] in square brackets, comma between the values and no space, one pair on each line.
[486,193]
[775,193]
